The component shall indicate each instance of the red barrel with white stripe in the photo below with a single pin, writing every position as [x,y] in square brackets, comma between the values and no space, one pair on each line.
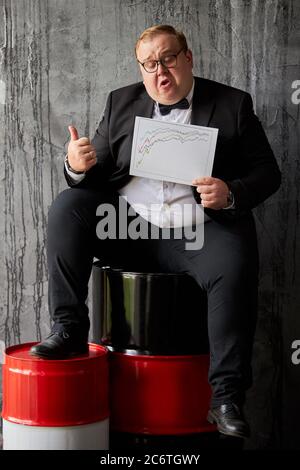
[55,404]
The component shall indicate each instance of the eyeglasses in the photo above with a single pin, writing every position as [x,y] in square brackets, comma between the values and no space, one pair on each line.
[168,61]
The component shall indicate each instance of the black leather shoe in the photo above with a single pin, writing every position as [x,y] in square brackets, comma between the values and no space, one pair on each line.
[229,420]
[59,345]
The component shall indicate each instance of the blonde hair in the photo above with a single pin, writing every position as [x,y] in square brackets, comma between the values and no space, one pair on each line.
[149,33]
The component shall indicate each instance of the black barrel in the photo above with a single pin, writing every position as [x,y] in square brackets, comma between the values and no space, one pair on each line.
[148,313]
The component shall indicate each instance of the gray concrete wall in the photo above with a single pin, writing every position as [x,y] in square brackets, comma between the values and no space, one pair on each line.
[58,60]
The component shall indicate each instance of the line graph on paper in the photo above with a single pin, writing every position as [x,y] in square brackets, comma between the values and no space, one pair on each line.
[161,136]
[171,151]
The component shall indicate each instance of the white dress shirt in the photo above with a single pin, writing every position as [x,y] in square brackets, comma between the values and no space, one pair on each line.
[163,203]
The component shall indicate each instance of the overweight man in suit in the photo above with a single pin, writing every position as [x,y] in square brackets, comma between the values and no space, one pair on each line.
[244,174]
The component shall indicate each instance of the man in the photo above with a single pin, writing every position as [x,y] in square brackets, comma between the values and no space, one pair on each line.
[244,174]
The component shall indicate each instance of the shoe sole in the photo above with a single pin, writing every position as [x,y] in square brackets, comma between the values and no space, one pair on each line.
[211,419]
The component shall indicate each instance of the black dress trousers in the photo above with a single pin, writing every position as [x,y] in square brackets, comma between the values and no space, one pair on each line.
[226,267]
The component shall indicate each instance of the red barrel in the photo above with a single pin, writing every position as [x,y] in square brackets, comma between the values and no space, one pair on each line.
[55,393]
[159,395]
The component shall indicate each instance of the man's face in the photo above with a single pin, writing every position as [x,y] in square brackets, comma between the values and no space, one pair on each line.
[167,86]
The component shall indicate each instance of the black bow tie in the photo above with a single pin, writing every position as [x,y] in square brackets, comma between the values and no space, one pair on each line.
[166,108]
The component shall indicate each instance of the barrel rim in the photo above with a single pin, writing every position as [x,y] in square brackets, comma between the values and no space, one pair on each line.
[160,358]
[147,352]
[98,265]
[8,353]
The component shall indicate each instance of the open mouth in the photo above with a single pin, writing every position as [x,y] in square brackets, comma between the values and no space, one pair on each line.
[165,83]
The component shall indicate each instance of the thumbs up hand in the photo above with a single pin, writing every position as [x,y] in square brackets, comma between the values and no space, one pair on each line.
[81,153]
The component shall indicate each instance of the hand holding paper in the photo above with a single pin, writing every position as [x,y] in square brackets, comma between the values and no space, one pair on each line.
[213,192]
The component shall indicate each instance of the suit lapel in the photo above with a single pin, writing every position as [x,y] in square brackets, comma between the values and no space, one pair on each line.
[143,106]
[203,103]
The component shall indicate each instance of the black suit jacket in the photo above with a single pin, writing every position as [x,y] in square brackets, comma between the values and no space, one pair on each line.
[243,158]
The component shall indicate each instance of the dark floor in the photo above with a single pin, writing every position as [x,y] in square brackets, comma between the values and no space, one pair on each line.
[204,441]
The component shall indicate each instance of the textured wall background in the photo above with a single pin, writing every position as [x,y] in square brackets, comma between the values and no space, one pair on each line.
[58,61]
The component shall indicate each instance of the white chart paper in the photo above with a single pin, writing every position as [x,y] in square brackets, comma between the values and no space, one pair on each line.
[172,152]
